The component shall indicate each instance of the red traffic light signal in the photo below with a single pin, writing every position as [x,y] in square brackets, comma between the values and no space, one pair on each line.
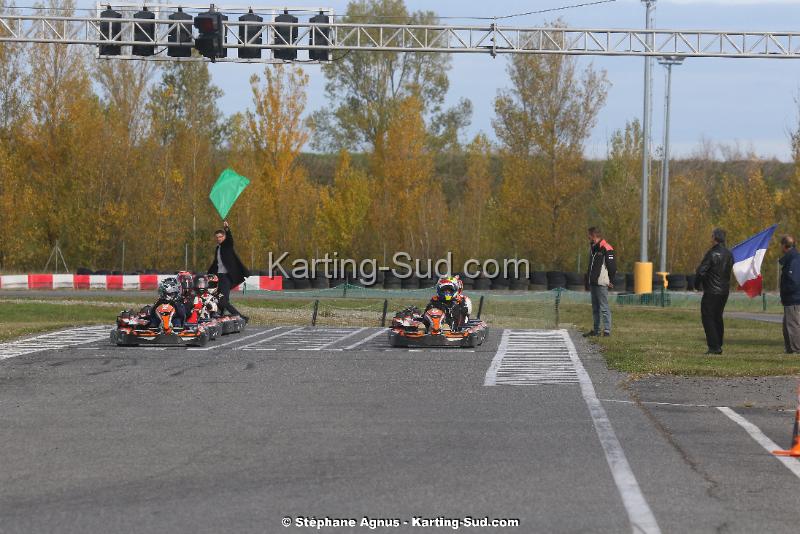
[211,41]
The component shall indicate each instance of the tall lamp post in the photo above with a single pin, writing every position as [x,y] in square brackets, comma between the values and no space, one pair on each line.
[668,62]
[643,269]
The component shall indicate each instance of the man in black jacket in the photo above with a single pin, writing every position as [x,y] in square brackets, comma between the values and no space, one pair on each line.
[229,268]
[790,294]
[714,277]
[599,278]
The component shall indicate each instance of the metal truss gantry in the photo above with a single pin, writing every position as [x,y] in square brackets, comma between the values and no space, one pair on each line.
[343,37]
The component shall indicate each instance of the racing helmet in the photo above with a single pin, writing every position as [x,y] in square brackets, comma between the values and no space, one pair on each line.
[446,289]
[168,289]
[200,283]
[185,282]
[213,282]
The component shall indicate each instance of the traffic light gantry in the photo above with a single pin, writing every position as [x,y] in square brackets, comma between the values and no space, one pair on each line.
[134,31]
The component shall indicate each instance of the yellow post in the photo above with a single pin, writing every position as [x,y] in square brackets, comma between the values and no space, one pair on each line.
[663,276]
[643,277]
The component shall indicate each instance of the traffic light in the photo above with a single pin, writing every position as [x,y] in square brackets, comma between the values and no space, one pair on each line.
[144,32]
[181,33]
[247,33]
[285,35]
[211,41]
[320,37]
[110,31]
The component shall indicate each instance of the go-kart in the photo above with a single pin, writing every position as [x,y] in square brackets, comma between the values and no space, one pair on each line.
[135,329]
[434,328]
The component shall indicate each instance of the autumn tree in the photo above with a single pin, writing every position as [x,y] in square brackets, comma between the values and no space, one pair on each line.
[542,122]
[342,213]
[367,87]
[276,134]
[186,129]
[619,194]
[473,230]
[409,211]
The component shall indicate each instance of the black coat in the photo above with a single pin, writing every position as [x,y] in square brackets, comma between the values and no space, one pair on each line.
[714,272]
[790,278]
[236,269]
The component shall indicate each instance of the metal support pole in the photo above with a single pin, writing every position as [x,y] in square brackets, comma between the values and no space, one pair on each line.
[480,307]
[650,6]
[123,258]
[385,309]
[314,315]
[668,62]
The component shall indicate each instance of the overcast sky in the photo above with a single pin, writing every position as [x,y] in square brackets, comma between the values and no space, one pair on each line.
[749,102]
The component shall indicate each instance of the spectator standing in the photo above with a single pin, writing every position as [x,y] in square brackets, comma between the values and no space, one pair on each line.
[790,294]
[600,277]
[714,278]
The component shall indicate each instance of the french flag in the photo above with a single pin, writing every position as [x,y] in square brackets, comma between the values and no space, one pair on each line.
[747,258]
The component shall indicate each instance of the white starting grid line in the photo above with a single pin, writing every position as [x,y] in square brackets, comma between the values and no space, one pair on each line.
[531,357]
[54,341]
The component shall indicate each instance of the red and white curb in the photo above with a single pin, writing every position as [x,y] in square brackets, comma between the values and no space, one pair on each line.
[131,282]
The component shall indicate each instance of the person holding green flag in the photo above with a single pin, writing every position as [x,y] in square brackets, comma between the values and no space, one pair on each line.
[229,269]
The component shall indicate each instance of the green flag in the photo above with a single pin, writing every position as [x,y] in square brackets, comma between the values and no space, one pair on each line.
[227,189]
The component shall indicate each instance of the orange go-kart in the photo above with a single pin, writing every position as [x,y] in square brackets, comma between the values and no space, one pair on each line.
[135,329]
[434,328]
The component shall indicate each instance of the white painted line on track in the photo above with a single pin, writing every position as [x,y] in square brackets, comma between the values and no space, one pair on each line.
[368,338]
[653,403]
[792,464]
[234,341]
[270,338]
[326,345]
[639,513]
[58,340]
[491,373]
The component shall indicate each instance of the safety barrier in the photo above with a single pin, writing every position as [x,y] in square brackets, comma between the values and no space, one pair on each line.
[132,282]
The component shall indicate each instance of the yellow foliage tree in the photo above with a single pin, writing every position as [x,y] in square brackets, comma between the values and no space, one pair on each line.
[343,210]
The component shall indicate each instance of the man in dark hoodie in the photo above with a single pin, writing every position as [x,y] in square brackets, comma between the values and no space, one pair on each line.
[229,268]
[714,278]
[790,294]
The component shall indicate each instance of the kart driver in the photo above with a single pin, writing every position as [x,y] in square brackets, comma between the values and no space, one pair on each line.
[169,292]
[451,300]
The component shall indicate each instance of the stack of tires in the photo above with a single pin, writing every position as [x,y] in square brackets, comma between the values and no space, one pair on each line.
[575,282]
[482,283]
[320,281]
[390,281]
[619,283]
[676,282]
[556,279]
[538,281]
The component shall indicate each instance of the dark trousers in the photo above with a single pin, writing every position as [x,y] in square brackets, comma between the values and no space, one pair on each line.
[225,285]
[711,308]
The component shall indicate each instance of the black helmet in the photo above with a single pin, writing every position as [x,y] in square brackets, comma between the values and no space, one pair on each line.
[200,282]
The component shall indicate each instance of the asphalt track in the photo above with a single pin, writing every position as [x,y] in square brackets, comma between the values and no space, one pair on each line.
[332,423]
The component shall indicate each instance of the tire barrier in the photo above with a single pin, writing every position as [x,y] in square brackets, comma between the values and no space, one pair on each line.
[556,279]
[575,281]
[676,282]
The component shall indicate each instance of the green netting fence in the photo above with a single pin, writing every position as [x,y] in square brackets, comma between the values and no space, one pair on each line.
[350,305]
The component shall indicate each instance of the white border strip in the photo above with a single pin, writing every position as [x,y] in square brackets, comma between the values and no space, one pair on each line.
[212,347]
[338,339]
[639,513]
[792,464]
[491,373]
[247,347]
[371,336]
